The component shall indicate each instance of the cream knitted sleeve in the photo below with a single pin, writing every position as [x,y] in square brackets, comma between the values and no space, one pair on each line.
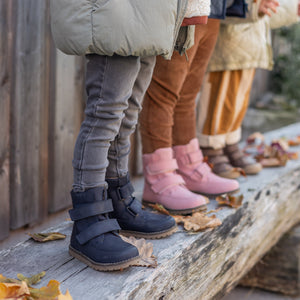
[197,8]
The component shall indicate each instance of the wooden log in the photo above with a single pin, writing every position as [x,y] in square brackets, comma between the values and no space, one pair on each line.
[198,266]
[5,82]
[279,269]
[29,99]
[66,114]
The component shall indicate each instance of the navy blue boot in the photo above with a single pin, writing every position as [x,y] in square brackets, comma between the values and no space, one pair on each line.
[132,218]
[94,239]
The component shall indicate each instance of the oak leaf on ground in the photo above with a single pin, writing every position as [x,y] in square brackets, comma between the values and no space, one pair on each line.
[198,221]
[147,259]
[159,208]
[230,200]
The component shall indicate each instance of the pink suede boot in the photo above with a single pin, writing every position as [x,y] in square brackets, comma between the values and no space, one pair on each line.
[197,174]
[164,186]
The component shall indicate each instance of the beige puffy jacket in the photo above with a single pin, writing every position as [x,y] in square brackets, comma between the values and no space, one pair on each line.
[248,45]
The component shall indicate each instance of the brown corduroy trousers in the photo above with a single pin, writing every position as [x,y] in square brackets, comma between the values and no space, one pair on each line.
[168,115]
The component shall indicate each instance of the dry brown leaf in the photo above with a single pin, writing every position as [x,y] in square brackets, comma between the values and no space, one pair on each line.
[213,211]
[230,200]
[159,208]
[294,142]
[48,236]
[293,155]
[252,138]
[283,143]
[272,162]
[198,222]
[14,290]
[147,259]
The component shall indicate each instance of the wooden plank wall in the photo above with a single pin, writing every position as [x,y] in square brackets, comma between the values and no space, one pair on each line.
[41,108]
[27,105]
[5,80]
[66,112]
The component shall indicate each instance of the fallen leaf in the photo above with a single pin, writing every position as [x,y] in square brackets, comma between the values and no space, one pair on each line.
[67,296]
[294,142]
[33,279]
[51,291]
[13,290]
[48,236]
[197,222]
[272,162]
[293,155]
[281,144]
[147,259]
[230,200]
[159,208]
[255,138]
[213,211]
[272,156]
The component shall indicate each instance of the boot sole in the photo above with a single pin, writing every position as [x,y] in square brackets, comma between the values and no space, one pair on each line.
[187,211]
[103,267]
[151,235]
[218,194]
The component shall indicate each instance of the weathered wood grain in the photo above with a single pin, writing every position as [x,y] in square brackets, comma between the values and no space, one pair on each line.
[201,266]
[5,83]
[279,269]
[66,112]
[27,103]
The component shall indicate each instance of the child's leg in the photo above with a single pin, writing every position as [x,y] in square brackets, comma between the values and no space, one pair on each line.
[223,105]
[128,211]
[109,84]
[191,166]
[184,128]
[156,119]
[119,150]
[162,184]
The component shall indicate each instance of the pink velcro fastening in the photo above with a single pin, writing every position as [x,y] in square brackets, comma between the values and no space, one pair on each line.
[195,157]
[190,158]
[202,170]
[162,167]
[167,182]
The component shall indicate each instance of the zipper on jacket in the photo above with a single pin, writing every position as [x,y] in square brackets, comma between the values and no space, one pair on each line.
[179,22]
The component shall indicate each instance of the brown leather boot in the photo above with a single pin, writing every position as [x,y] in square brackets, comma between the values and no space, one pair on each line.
[220,163]
[238,159]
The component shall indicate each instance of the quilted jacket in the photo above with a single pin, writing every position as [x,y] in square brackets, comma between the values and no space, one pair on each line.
[248,45]
[107,27]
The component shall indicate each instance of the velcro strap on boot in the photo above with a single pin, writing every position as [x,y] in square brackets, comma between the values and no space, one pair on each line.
[91,209]
[191,158]
[126,190]
[167,182]
[212,152]
[201,171]
[134,207]
[219,160]
[236,155]
[97,229]
[162,167]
